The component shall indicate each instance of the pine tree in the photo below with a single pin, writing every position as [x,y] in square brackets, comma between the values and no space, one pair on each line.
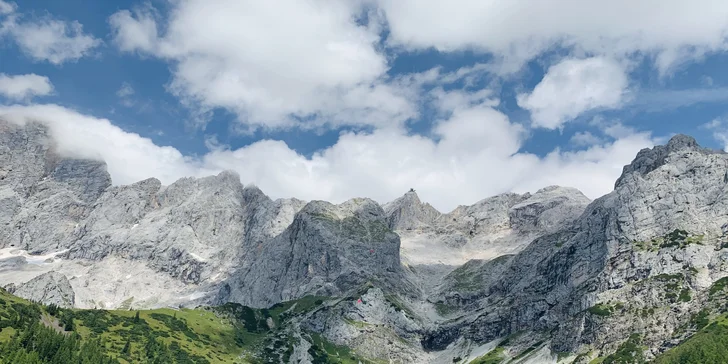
[136,318]
[67,320]
[127,347]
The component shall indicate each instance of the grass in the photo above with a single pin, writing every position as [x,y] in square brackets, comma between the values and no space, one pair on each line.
[227,334]
[200,333]
[684,295]
[668,277]
[494,356]
[600,309]
[708,345]
[676,238]
[629,352]
[700,319]
[325,352]
[718,287]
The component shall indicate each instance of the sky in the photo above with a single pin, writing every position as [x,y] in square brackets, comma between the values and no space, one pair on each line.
[331,100]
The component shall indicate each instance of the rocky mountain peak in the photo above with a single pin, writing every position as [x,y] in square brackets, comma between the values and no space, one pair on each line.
[547,209]
[253,194]
[649,159]
[408,212]
[682,141]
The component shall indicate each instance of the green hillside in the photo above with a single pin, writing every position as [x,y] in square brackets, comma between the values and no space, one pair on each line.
[709,345]
[34,333]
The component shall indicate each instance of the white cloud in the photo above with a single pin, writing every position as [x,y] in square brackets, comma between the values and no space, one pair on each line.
[24,87]
[572,87]
[315,64]
[7,7]
[272,67]
[129,157]
[584,138]
[46,39]
[719,127]
[517,30]
[473,143]
[125,92]
[134,31]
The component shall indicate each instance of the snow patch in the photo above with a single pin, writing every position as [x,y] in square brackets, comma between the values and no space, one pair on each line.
[41,259]
[197,257]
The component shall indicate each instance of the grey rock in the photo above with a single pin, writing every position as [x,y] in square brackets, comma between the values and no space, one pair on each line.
[618,251]
[408,212]
[327,250]
[498,225]
[48,288]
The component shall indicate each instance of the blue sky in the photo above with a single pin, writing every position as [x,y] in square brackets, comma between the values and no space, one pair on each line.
[324,100]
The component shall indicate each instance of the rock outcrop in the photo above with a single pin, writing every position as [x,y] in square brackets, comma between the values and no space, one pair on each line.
[48,288]
[327,250]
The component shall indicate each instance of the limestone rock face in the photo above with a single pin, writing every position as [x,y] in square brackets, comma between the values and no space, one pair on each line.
[190,229]
[188,236]
[327,250]
[644,254]
[43,194]
[408,212]
[48,288]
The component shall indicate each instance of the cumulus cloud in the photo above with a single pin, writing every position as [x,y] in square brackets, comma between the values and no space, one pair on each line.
[24,87]
[674,31]
[474,143]
[325,63]
[46,39]
[134,31]
[574,86]
[272,68]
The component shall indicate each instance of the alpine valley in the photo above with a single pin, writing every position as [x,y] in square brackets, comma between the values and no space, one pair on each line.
[207,270]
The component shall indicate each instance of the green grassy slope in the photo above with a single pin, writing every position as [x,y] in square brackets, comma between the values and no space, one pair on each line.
[709,345]
[34,333]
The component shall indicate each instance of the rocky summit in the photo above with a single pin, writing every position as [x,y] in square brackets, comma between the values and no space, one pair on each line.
[547,277]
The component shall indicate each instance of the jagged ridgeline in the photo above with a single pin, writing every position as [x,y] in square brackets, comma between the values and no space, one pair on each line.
[219,272]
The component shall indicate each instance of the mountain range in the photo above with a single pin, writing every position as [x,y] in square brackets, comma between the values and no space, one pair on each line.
[521,278]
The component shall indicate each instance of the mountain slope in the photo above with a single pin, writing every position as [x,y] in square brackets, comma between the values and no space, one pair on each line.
[541,277]
[639,260]
[30,333]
